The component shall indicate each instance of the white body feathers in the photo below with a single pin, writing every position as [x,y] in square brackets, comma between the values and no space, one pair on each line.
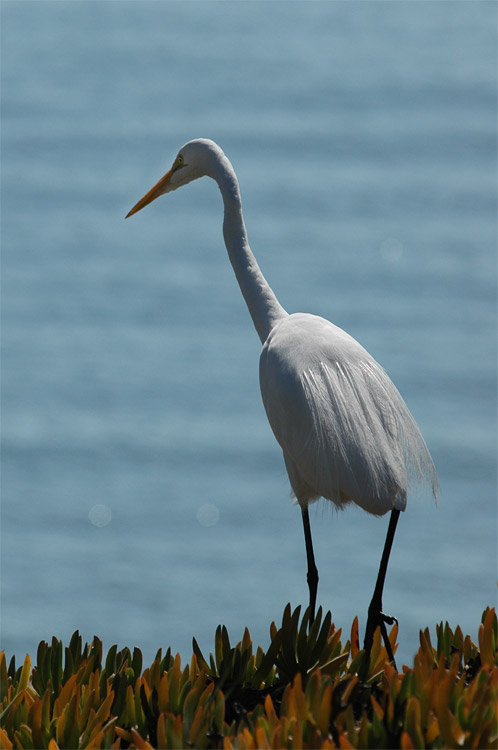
[344,429]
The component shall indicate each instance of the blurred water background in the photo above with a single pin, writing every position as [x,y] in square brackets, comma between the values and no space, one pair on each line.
[144,497]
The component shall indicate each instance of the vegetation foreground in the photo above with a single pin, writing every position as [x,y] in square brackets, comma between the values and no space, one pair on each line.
[308,690]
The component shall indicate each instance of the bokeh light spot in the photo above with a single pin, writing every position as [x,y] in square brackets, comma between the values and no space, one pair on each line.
[208,515]
[100,515]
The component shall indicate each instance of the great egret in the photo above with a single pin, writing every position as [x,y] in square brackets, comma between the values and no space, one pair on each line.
[345,431]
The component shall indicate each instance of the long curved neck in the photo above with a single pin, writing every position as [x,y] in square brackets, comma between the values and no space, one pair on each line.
[260,299]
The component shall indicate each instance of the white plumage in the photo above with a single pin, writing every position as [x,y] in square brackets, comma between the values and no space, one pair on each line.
[344,429]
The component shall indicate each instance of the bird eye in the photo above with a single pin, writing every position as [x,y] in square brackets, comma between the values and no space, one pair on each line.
[179,161]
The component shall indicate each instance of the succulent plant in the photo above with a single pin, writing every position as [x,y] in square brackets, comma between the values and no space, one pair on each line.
[307,690]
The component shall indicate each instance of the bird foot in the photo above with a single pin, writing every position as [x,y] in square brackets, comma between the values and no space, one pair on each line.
[388,619]
[378,619]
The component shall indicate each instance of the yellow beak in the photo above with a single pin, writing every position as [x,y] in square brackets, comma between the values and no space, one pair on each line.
[158,189]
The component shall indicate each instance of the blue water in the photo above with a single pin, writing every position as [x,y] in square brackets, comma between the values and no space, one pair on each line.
[144,497]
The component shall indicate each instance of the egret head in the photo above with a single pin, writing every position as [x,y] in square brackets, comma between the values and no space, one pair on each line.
[193,161]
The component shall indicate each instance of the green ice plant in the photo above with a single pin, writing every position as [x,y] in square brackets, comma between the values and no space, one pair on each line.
[307,690]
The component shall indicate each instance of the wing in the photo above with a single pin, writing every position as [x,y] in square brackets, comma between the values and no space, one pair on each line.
[345,431]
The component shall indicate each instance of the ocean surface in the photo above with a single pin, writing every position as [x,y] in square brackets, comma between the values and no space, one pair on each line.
[144,498]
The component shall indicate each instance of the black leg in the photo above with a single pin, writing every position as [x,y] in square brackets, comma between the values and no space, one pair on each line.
[376,618]
[312,570]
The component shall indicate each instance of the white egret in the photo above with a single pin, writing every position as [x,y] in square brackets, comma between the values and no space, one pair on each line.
[345,431]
